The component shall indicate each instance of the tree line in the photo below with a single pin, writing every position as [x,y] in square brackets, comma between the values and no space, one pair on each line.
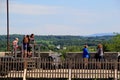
[67,43]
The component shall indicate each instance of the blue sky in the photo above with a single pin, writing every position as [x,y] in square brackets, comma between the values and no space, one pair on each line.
[61,17]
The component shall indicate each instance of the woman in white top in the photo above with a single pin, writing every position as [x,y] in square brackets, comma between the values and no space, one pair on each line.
[15,45]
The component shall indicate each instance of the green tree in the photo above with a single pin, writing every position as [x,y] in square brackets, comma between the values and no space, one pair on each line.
[116,43]
[113,44]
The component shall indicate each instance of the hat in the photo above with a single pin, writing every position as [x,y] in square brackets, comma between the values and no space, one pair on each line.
[16,39]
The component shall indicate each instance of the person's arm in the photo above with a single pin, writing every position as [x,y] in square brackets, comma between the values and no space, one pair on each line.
[34,42]
[87,51]
[101,51]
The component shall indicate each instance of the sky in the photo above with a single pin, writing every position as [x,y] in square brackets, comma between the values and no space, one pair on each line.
[60,17]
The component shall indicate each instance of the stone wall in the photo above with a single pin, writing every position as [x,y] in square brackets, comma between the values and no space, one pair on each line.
[2,54]
[78,55]
[107,55]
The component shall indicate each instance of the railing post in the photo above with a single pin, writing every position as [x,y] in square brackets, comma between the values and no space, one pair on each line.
[33,47]
[115,70]
[22,51]
[25,67]
[15,54]
[70,72]
[39,51]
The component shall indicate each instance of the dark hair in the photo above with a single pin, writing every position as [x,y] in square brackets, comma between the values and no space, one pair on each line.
[31,35]
[27,35]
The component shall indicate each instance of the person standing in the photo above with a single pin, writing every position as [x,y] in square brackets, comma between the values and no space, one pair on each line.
[32,41]
[99,55]
[25,45]
[86,55]
[28,45]
[15,46]
[31,45]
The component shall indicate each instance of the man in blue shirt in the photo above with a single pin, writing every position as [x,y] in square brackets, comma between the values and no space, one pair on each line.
[86,55]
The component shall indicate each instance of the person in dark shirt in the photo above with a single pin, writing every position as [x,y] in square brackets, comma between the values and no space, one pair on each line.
[99,55]
[100,51]
[25,45]
[31,44]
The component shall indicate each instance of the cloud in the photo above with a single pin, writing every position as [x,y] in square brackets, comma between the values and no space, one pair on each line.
[59,29]
[31,9]
[91,17]
[59,20]
[75,15]
[3,30]
[47,29]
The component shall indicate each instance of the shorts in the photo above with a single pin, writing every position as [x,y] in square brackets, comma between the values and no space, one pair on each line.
[100,58]
[85,60]
[29,48]
[24,46]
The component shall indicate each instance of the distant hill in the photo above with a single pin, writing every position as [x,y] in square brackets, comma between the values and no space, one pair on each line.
[103,34]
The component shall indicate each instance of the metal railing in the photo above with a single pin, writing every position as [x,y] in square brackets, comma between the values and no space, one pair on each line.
[50,68]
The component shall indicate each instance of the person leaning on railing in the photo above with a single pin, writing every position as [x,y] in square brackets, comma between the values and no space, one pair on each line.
[31,44]
[15,46]
[100,53]
[99,56]
[86,55]
[25,45]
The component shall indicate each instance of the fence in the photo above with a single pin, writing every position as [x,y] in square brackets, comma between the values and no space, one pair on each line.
[52,68]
